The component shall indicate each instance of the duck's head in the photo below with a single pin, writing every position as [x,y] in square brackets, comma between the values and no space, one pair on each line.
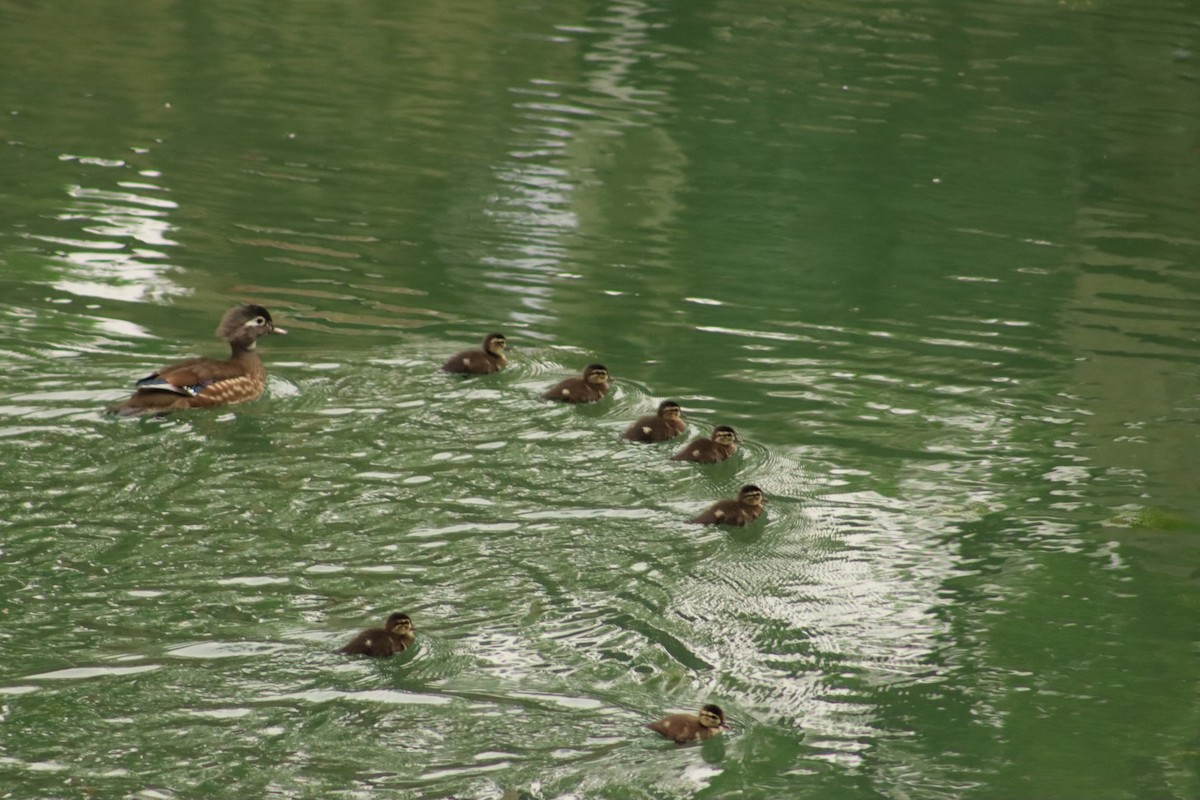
[724,435]
[596,374]
[398,623]
[750,495]
[712,716]
[495,343]
[669,409]
[246,323]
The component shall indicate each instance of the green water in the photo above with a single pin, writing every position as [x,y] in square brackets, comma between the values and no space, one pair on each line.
[936,262]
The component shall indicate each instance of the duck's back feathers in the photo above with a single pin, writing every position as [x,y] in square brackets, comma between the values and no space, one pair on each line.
[725,512]
[717,447]
[472,362]
[742,510]
[702,451]
[683,728]
[490,358]
[377,643]
[657,427]
[197,383]
[588,388]
[395,636]
[573,390]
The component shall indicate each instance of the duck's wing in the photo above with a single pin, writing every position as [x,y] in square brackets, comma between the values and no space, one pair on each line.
[363,644]
[190,377]
[696,450]
[719,513]
[563,391]
[640,431]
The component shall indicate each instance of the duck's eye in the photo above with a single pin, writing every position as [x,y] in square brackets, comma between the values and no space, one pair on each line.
[260,321]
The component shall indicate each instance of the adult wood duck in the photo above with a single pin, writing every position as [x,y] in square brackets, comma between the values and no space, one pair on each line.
[586,389]
[684,728]
[720,446]
[666,424]
[395,636]
[485,361]
[205,382]
[740,511]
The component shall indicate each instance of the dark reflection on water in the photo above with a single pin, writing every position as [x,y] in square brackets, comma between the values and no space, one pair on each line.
[931,262]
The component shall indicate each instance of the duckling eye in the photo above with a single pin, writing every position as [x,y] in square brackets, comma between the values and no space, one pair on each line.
[259,321]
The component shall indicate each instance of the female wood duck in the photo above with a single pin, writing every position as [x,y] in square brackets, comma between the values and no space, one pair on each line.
[684,728]
[480,362]
[395,636]
[667,424]
[741,511]
[719,447]
[205,382]
[587,389]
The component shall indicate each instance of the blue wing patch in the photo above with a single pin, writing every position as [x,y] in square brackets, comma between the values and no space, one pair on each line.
[155,383]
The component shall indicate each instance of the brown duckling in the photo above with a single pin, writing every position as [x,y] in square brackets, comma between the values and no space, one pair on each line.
[205,382]
[720,446]
[395,636]
[684,728]
[586,389]
[666,424]
[741,511]
[485,361]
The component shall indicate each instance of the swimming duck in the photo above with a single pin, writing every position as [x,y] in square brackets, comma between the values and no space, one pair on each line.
[587,389]
[485,361]
[720,446]
[204,382]
[666,424]
[741,511]
[684,728]
[395,636]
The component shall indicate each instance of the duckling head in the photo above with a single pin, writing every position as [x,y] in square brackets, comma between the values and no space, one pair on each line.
[495,343]
[724,435]
[595,373]
[750,495]
[398,623]
[712,716]
[669,409]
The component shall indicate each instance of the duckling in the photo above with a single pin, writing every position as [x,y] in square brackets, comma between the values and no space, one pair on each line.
[741,511]
[395,636]
[684,728]
[587,389]
[720,446]
[485,361]
[205,382]
[667,424]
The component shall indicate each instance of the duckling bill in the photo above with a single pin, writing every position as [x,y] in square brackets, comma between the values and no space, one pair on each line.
[666,424]
[684,728]
[206,382]
[588,388]
[720,446]
[395,636]
[490,358]
[742,510]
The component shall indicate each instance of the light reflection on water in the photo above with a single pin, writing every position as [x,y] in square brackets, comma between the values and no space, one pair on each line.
[111,266]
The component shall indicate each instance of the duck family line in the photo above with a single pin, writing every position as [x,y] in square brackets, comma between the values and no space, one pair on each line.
[203,382]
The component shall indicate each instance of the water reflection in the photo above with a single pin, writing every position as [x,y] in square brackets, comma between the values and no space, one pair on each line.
[126,260]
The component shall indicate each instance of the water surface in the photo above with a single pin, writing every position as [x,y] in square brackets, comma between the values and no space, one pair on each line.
[934,261]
